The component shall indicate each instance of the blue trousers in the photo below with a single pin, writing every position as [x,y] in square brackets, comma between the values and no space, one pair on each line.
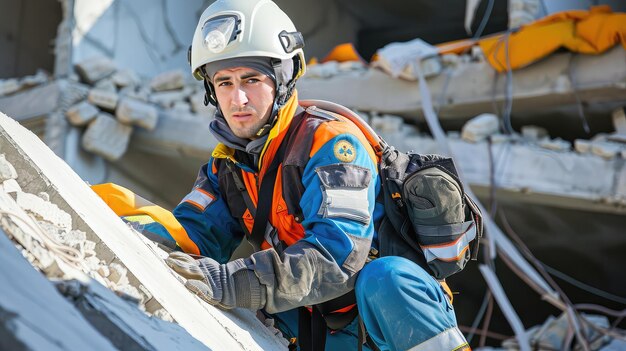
[402,307]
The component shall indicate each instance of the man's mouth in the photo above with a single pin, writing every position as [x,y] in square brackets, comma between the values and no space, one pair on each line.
[240,116]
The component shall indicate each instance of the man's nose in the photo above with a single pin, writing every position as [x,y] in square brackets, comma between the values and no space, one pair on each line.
[239,97]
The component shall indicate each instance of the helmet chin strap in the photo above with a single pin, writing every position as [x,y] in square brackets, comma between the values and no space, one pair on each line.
[209,93]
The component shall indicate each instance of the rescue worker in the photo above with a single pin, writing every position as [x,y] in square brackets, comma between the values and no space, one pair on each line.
[323,185]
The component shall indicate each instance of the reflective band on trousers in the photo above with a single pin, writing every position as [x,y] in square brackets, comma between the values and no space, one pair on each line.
[450,251]
[449,340]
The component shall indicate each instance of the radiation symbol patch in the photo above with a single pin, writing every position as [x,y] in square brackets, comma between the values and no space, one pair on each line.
[344,151]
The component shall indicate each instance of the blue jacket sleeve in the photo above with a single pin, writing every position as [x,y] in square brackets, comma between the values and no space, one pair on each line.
[206,217]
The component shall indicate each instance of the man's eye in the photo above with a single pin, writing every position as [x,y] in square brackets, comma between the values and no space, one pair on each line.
[253,80]
[224,84]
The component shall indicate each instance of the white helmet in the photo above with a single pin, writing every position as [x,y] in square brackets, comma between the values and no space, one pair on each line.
[246,28]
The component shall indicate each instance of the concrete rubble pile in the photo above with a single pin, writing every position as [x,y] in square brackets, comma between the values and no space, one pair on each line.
[590,169]
[109,104]
[96,274]
[15,85]
[119,101]
[464,86]
[54,235]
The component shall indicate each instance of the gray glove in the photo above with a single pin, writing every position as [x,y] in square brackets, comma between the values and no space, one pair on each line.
[224,285]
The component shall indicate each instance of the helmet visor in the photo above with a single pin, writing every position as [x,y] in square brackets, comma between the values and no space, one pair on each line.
[218,32]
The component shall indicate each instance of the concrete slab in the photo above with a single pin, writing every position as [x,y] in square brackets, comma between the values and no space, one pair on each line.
[21,106]
[34,315]
[123,324]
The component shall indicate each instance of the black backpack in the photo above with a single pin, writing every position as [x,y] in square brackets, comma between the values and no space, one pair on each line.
[429,217]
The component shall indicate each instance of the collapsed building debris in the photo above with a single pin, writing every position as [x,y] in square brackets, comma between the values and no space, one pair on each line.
[165,116]
[71,236]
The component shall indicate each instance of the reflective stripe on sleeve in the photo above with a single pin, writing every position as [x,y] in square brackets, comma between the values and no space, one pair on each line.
[199,198]
[450,251]
[448,340]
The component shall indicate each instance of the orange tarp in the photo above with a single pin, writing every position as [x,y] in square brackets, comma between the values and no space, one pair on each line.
[585,32]
[343,53]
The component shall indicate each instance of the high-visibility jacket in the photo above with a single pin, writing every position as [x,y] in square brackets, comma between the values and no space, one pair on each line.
[323,208]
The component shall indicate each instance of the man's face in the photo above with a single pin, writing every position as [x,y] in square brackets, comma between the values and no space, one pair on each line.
[246,97]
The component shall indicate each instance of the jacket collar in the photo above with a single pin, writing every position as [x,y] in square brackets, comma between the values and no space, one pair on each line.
[269,147]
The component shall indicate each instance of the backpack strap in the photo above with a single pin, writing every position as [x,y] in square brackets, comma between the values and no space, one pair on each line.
[241,187]
[266,189]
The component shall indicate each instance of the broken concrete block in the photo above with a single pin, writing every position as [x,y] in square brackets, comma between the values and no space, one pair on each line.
[136,112]
[9,86]
[104,271]
[81,113]
[557,144]
[44,210]
[323,70]
[534,133]
[605,149]
[171,80]
[477,53]
[125,77]
[89,247]
[36,79]
[44,196]
[118,274]
[431,66]
[500,138]
[387,123]
[167,99]
[91,263]
[75,238]
[106,85]
[103,98]
[140,94]
[450,59]
[107,137]
[351,66]
[93,69]
[480,127]
[619,120]
[11,186]
[181,106]
[7,171]
[197,104]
